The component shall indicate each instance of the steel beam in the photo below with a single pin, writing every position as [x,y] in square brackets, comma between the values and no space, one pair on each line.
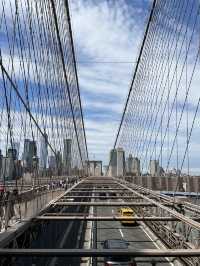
[163,206]
[100,191]
[99,188]
[107,204]
[99,252]
[106,218]
[101,197]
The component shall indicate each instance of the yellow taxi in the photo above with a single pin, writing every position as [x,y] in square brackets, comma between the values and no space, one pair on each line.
[127,213]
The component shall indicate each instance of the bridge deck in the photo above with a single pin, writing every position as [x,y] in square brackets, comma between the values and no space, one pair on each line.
[82,234]
[136,235]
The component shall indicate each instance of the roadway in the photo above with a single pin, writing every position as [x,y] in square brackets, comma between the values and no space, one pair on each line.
[71,234]
[136,235]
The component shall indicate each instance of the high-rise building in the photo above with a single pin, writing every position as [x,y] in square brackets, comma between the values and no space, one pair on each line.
[112,171]
[43,152]
[52,162]
[129,165]
[8,168]
[136,166]
[12,153]
[132,165]
[120,162]
[30,150]
[59,162]
[26,150]
[16,146]
[67,156]
[154,167]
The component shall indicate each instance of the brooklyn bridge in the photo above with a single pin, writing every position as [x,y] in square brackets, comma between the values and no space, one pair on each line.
[135,204]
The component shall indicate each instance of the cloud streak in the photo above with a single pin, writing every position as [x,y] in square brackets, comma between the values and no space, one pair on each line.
[107,34]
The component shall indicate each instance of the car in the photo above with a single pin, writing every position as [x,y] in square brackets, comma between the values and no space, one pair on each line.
[102,195]
[113,194]
[127,212]
[117,260]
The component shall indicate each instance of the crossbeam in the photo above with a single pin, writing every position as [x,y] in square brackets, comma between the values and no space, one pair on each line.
[107,218]
[173,213]
[99,188]
[107,204]
[100,191]
[99,253]
[101,197]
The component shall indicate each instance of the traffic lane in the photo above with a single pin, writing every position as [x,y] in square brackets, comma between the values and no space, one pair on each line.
[106,229]
[134,234]
[138,239]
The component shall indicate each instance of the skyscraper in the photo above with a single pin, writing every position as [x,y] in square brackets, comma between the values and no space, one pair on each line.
[67,157]
[12,153]
[136,166]
[154,167]
[129,165]
[8,168]
[120,162]
[113,163]
[16,146]
[52,162]
[132,165]
[30,150]
[43,152]
[59,162]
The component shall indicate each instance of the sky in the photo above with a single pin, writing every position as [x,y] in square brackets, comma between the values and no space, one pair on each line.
[107,37]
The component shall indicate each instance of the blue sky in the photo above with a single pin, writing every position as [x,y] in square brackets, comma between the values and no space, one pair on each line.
[107,36]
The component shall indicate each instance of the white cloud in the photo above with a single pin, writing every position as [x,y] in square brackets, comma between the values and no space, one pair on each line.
[105,33]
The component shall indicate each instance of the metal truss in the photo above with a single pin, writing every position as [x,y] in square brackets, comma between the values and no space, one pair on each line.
[174,222]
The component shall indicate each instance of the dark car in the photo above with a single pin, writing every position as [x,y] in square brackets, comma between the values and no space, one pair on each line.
[117,260]
[113,194]
[102,195]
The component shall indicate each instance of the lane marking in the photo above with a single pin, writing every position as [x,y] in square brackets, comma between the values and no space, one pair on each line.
[121,233]
[155,244]
[142,227]
[153,241]
[112,211]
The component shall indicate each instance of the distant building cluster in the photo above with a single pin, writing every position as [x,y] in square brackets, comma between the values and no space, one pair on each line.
[120,165]
[12,167]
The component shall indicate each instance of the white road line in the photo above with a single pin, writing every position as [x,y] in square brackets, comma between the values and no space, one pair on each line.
[112,211]
[121,233]
[156,245]
[153,241]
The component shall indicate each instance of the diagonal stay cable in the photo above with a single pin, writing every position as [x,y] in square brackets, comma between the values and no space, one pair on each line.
[65,76]
[135,72]
[23,102]
[76,75]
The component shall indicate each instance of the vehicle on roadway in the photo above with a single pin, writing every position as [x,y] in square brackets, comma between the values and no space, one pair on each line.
[127,213]
[117,260]
[113,194]
[102,195]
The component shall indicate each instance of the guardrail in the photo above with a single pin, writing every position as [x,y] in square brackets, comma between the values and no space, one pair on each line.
[15,207]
